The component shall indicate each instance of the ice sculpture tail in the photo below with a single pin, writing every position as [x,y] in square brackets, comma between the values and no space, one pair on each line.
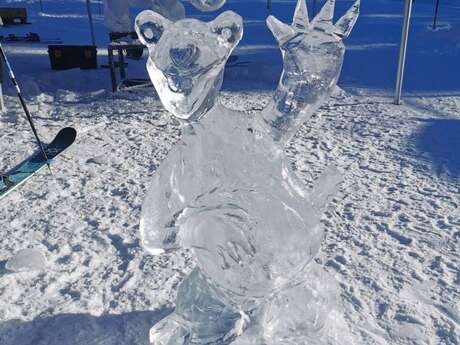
[325,188]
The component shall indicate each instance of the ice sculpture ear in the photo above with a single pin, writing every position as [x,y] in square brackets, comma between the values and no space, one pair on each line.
[150,26]
[229,27]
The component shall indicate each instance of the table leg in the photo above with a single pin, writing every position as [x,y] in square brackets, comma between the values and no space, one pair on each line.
[113,76]
[121,60]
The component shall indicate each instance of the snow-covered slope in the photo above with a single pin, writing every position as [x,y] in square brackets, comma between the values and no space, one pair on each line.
[392,235]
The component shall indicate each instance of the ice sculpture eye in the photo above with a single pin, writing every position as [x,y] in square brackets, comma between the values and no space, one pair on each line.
[184,57]
[151,32]
[228,27]
[208,5]
[227,34]
[150,26]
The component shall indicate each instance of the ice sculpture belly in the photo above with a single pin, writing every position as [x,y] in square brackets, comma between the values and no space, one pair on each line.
[236,203]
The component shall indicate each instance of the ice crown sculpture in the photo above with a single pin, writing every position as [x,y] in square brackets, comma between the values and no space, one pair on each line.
[227,191]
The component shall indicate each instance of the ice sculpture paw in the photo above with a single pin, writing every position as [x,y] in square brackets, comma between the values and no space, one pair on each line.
[321,23]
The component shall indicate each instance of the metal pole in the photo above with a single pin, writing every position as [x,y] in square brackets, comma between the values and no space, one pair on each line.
[2,103]
[436,11]
[26,111]
[41,6]
[90,18]
[403,50]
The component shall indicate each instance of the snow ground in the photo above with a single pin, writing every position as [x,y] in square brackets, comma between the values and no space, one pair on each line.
[393,233]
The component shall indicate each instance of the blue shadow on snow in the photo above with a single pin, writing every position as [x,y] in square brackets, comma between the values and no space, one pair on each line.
[82,329]
[439,139]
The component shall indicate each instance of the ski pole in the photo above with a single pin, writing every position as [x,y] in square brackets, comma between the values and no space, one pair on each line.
[18,90]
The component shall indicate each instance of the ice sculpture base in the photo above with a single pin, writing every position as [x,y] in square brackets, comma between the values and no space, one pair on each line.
[303,314]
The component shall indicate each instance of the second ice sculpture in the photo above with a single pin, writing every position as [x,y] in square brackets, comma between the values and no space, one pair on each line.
[227,191]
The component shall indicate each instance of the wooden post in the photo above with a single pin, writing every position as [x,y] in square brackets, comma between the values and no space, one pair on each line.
[402,51]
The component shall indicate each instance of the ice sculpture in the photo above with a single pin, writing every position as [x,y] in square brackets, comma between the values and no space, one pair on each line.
[117,18]
[227,191]
[208,5]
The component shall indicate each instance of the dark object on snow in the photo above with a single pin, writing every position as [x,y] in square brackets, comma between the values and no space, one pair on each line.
[134,53]
[31,37]
[119,48]
[135,83]
[12,16]
[115,36]
[116,64]
[71,56]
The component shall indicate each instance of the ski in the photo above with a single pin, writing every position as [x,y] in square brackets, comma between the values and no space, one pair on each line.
[28,168]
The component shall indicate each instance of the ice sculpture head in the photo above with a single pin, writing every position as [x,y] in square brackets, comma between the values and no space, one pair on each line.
[187,59]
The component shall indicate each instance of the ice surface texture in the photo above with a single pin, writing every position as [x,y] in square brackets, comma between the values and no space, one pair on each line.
[117,18]
[27,260]
[227,191]
[208,5]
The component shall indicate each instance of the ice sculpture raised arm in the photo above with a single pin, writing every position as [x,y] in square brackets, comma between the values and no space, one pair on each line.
[227,191]
[312,60]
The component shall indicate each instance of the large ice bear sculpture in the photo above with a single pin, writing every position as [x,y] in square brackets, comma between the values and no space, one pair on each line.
[227,191]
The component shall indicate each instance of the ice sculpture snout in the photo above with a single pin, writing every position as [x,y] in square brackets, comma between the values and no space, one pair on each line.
[184,57]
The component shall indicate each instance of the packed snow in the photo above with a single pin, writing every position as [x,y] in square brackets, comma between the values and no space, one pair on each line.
[392,234]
